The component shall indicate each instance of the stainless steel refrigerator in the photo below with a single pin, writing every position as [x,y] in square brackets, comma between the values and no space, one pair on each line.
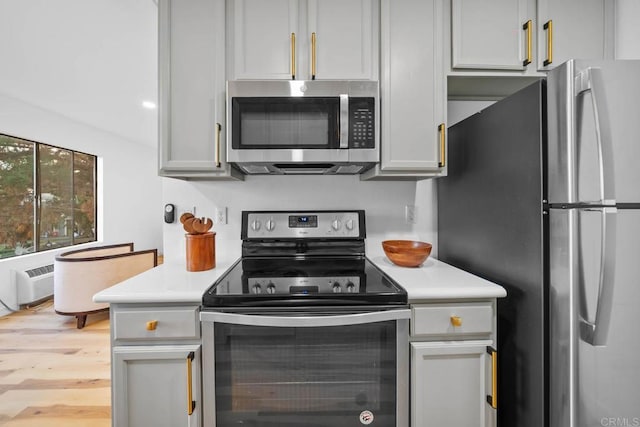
[543,197]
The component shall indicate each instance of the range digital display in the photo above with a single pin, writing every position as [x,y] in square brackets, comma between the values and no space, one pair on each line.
[303,221]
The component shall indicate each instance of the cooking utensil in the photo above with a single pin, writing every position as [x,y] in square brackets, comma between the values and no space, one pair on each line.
[185,216]
[201,225]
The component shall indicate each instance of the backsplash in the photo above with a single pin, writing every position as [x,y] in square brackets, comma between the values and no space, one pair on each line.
[383,202]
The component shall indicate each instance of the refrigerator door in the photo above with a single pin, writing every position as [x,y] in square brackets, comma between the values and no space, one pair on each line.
[491,223]
[593,314]
[593,131]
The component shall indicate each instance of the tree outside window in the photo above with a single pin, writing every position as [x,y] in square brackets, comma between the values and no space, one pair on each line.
[47,197]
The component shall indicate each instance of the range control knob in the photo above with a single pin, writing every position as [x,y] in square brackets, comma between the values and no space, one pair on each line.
[256,289]
[351,287]
[336,224]
[336,288]
[349,224]
[270,224]
[271,288]
[255,225]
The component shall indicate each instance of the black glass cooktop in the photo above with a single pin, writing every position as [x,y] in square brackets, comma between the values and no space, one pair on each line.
[302,282]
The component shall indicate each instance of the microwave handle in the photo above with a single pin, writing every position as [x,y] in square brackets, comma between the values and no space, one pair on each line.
[305,321]
[343,124]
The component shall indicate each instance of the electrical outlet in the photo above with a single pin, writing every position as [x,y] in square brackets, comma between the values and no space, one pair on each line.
[221,215]
[410,214]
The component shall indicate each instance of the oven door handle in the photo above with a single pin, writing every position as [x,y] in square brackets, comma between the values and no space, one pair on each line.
[305,321]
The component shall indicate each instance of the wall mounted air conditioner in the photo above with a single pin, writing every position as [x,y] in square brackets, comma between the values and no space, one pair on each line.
[35,284]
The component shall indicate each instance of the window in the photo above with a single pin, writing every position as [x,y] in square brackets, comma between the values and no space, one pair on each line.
[47,197]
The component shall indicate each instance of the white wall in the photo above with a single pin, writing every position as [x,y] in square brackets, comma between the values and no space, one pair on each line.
[384,203]
[129,208]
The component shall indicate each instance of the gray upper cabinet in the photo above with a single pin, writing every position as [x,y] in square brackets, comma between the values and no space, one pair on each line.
[302,39]
[413,88]
[192,90]
[489,34]
[582,29]
[527,37]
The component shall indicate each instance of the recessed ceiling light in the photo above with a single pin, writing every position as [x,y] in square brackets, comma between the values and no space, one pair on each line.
[148,104]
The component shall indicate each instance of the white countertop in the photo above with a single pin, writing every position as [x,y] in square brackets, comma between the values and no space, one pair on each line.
[172,283]
[435,280]
[166,283]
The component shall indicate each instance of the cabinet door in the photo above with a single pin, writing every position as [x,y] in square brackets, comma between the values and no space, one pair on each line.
[413,85]
[346,39]
[579,29]
[450,384]
[260,44]
[489,34]
[192,89]
[156,386]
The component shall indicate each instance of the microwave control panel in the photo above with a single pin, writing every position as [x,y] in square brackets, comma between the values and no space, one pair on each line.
[362,123]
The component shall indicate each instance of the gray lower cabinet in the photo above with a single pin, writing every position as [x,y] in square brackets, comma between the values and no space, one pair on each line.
[156,365]
[453,371]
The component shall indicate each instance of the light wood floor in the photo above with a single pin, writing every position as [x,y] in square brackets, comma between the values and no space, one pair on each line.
[52,374]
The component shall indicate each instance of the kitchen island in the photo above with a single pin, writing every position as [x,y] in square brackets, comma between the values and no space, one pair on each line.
[156,339]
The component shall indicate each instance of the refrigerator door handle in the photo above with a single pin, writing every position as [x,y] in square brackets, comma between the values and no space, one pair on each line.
[595,332]
[592,80]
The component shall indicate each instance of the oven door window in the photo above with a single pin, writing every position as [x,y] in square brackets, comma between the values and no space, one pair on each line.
[285,123]
[320,377]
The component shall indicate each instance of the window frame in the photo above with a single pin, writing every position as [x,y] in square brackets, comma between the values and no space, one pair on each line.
[37,247]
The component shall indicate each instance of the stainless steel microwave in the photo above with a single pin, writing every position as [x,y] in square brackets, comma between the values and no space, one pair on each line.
[303,126]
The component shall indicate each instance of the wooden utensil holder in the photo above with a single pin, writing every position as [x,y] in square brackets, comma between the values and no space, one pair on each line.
[201,251]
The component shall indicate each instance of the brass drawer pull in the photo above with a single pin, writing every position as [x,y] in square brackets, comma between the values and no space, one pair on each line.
[456,321]
[441,130]
[493,399]
[528,28]
[217,147]
[152,325]
[549,27]
[191,404]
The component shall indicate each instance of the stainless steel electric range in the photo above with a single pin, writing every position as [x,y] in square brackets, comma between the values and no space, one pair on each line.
[304,329]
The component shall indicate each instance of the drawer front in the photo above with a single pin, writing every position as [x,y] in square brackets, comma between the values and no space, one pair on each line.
[452,319]
[156,323]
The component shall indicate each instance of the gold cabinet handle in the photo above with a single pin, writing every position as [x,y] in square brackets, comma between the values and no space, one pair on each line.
[528,28]
[191,404]
[549,27]
[456,321]
[151,325]
[493,399]
[441,131]
[313,56]
[293,56]
[217,147]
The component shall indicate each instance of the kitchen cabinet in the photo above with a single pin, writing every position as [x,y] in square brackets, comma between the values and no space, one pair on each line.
[156,365]
[488,34]
[302,39]
[413,90]
[192,90]
[574,29]
[453,364]
[528,36]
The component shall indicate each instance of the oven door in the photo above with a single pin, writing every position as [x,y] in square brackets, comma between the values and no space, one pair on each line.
[321,370]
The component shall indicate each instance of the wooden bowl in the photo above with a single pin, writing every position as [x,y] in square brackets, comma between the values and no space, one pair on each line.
[406,253]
